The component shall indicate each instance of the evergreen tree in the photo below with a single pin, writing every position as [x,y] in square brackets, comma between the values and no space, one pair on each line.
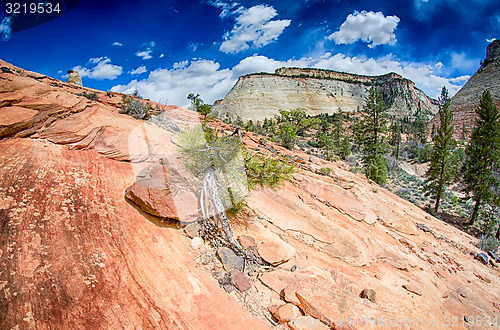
[483,155]
[370,136]
[443,164]
[395,137]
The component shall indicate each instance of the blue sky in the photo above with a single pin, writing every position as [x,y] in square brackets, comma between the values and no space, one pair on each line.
[168,49]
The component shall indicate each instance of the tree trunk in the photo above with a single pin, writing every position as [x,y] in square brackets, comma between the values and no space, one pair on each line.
[498,233]
[436,206]
[210,184]
[473,216]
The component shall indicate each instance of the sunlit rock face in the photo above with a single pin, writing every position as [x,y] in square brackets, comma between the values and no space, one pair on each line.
[259,96]
[466,101]
[74,78]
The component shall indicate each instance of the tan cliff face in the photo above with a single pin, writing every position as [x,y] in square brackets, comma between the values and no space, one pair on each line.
[466,101]
[259,96]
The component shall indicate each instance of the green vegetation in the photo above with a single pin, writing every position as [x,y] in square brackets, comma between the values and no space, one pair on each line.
[90,95]
[443,163]
[204,151]
[135,108]
[370,136]
[198,105]
[483,155]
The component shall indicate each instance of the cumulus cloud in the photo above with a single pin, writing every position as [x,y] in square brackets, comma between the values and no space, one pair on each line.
[139,70]
[254,28]
[145,54]
[117,44]
[463,63]
[368,26]
[101,69]
[5,29]
[212,82]
[491,40]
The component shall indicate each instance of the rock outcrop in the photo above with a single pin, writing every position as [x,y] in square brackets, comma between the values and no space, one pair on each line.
[74,78]
[259,96]
[466,101]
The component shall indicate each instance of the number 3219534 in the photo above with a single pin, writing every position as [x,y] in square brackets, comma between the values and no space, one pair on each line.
[32,8]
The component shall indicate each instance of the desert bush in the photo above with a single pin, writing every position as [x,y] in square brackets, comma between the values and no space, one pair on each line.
[135,108]
[489,243]
[90,95]
[288,135]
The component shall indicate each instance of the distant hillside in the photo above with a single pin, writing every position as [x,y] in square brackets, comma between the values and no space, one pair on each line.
[465,102]
[262,95]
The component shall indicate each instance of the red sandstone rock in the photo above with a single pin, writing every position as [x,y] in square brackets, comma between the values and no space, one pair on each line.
[286,313]
[276,252]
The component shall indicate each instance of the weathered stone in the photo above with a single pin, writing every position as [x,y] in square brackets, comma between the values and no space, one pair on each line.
[74,78]
[276,252]
[413,289]
[192,230]
[247,241]
[369,294]
[196,243]
[286,313]
[229,259]
[445,295]
[239,280]
[278,280]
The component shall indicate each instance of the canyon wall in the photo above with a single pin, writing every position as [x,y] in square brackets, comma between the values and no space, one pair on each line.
[262,95]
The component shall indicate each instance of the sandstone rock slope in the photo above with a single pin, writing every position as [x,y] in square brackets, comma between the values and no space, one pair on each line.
[76,253]
[259,96]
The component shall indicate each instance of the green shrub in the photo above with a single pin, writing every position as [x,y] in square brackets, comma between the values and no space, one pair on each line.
[135,108]
[288,135]
[90,95]
[489,243]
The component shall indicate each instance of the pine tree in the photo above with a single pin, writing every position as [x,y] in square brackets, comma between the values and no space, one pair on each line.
[483,155]
[443,164]
[395,137]
[370,136]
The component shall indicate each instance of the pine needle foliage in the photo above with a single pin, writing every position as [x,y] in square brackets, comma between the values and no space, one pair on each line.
[443,162]
[483,155]
[370,135]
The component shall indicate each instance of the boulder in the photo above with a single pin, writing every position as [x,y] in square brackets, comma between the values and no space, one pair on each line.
[285,313]
[196,243]
[369,294]
[229,259]
[152,193]
[276,252]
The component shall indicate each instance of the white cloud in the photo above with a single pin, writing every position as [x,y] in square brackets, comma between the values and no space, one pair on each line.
[117,44]
[491,40]
[253,28]
[5,29]
[370,27]
[145,54]
[463,63]
[102,70]
[161,56]
[227,9]
[139,70]
[206,78]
